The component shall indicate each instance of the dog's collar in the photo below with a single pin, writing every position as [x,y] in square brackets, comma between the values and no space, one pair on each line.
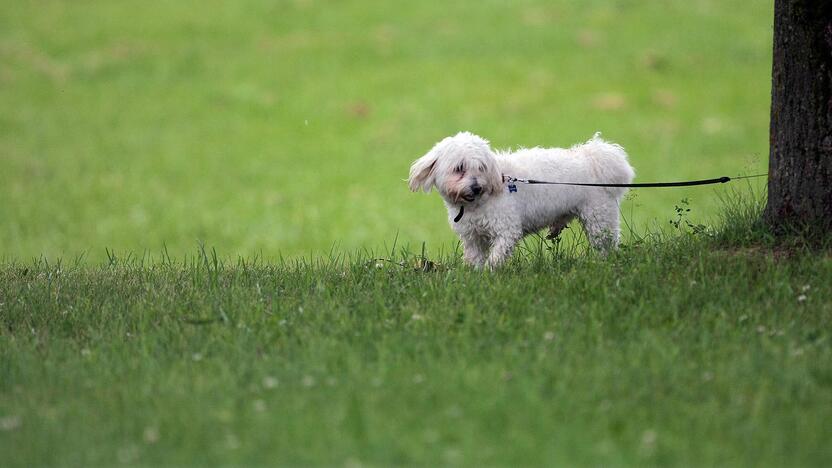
[461,212]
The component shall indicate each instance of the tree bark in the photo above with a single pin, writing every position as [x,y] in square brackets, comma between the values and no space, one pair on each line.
[800,157]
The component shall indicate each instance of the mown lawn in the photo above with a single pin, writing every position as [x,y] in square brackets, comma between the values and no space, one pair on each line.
[679,350]
[280,132]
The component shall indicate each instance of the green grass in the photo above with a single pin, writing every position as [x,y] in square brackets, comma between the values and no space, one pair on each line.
[134,134]
[679,349]
[284,128]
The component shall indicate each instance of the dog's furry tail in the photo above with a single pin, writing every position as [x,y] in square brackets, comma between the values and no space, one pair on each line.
[610,161]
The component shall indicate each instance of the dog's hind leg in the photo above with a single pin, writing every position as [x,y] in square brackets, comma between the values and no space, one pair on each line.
[602,225]
[558,226]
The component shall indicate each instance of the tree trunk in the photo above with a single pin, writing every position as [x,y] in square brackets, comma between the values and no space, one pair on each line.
[800,158]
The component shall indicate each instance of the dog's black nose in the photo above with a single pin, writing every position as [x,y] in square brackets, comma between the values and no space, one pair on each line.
[476,189]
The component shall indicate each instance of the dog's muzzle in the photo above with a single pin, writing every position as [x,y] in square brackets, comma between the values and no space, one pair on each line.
[472,193]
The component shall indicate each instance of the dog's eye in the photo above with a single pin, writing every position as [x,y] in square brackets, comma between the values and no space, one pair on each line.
[459,169]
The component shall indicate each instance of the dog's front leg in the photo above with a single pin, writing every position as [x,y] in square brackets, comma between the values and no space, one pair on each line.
[474,252]
[501,248]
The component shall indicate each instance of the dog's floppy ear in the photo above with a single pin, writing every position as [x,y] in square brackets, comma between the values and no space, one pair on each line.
[422,172]
[494,180]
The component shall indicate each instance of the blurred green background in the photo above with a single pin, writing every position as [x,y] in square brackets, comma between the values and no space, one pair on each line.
[287,127]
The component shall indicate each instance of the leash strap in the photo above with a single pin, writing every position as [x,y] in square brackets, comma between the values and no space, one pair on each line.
[688,183]
[513,188]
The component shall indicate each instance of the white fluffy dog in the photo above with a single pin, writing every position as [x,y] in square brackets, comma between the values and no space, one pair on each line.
[469,176]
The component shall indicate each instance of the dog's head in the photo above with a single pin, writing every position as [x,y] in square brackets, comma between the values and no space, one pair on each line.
[462,168]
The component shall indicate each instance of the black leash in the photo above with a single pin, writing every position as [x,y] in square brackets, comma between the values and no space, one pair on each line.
[688,183]
[513,188]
